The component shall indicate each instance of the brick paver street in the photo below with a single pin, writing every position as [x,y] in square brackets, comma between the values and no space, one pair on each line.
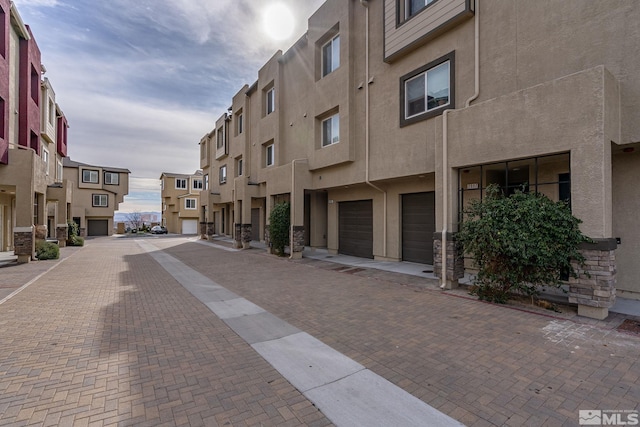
[109,338]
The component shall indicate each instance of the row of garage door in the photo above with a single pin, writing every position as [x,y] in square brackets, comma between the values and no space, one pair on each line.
[100,227]
[355,222]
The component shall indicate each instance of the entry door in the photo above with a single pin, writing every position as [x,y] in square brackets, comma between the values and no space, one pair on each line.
[255,224]
[418,226]
[355,228]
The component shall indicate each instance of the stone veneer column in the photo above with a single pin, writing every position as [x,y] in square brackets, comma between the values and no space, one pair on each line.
[61,234]
[203,230]
[595,288]
[245,235]
[297,241]
[454,259]
[211,230]
[24,243]
[267,239]
[237,236]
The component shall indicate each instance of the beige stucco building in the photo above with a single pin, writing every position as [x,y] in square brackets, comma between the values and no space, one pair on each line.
[97,193]
[180,201]
[388,116]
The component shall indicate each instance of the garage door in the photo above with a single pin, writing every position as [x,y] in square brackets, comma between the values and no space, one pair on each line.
[189,226]
[356,228]
[418,226]
[98,227]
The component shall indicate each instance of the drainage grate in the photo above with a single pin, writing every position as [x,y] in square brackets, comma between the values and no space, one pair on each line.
[427,271]
[629,325]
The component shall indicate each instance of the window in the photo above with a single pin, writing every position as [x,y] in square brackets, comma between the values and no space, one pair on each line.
[59,171]
[271,100]
[100,200]
[206,182]
[220,138]
[35,85]
[190,203]
[223,174]
[239,166]
[52,112]
[331,56]
[240,121]
[45,158]
[331,130]
[413,7]
[111,178]
[197,184]
[269,154]
[181,184]
[90,176]
[426,92]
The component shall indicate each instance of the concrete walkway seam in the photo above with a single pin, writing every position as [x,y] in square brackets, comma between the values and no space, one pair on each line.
[344,390]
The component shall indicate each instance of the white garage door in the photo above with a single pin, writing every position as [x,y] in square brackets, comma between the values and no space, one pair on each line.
[189,226]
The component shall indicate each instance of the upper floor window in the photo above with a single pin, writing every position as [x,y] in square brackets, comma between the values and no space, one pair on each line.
[271,100]
[90,176]
[100,200]
[190,203]
[206,182]
[331,130]
[239,166]
[220,138]
[223,174]
[59,170]
[52,113]
[197,184]
[45,157]
[240,123]
[331,56]
[413,7]
[427,91]
[111,178]
[181,184]
[269,155]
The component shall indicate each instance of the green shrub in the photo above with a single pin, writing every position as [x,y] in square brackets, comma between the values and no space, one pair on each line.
[519,243]
[47,250]
[279,225]
[73,239]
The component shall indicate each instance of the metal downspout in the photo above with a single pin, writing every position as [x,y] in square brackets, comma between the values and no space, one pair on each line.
[445,148]
[367,134]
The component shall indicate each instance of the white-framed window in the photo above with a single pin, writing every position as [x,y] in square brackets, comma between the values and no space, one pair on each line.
[220,138]
[413,7]
[197,184]
[269,152]
[190,203]
[111,178]
[45,157]
[240,121]
[223,174]
[331,55]
[59,171]
[271,100]
[52,113]
[90,176]
[206,182]
[164,206]
[331,130]
[100,200]
[427,91]
[239,166]
[181,184]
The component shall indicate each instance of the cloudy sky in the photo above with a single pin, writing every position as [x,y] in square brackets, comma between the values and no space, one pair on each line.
[141,81]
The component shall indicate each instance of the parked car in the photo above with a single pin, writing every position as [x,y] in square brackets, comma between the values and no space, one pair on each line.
[158,229]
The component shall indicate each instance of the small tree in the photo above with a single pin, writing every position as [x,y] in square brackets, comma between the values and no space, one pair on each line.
[135,220]
[520,242]
[279,225]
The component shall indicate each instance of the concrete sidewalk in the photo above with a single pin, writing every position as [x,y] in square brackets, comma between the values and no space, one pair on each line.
[109,338]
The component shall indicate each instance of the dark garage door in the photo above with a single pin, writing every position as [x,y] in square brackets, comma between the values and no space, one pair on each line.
[355,228]
[418,226]
[98,227]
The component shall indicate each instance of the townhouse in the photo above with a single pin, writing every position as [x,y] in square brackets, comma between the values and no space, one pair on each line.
[97,193]
[36,197]
[180,201]
[389,116]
